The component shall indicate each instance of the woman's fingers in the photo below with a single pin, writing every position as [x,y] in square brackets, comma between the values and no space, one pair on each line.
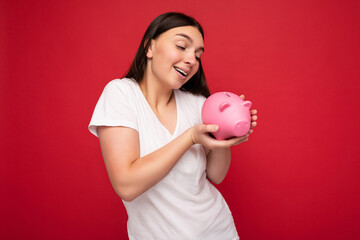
[254,117]
[231,142]
[201,135]
[241,140]
[211,128]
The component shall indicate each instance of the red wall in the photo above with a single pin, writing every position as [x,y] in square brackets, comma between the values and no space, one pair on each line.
[297,61]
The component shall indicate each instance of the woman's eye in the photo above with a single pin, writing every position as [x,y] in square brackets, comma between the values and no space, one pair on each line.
[180,47]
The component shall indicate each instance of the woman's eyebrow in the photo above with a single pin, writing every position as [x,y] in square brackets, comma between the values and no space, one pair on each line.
[190,39]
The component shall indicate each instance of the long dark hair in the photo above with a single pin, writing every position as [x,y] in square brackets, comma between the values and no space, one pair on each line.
[197,84]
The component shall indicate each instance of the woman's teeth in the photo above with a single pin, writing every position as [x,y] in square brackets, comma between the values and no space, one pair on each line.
[181,71]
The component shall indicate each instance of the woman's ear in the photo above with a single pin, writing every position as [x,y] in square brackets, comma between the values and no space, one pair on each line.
[149,53]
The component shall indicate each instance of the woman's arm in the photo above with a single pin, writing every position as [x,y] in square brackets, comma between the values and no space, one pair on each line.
[218,163]
[218,160]
[131,175]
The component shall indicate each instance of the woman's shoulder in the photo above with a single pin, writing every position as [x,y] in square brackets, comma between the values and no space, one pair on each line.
[121,85]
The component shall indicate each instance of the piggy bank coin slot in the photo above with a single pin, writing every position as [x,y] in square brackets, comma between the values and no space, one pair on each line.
[227,94]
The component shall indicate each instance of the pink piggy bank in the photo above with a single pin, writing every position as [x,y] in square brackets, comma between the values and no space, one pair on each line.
[230,112]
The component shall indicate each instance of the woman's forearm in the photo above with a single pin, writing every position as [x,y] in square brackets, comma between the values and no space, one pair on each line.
[132,175]
[145,172]
[218,163]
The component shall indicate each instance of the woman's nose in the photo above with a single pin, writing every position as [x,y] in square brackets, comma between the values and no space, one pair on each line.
[190,59]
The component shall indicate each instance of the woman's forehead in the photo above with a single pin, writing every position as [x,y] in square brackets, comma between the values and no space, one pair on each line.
[190,33]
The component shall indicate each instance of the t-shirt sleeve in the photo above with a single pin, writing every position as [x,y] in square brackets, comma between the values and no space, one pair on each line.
[113,108]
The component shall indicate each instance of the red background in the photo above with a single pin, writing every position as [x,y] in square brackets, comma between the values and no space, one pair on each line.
[297,61]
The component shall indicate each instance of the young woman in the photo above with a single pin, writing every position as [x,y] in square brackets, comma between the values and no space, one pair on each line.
[158,155]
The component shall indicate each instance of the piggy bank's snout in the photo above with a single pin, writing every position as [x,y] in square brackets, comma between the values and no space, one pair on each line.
[241,128]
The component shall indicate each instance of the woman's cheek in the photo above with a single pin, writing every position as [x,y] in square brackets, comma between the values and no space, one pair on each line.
[176,55]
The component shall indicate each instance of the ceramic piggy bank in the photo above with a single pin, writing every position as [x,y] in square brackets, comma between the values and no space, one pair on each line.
[230,112]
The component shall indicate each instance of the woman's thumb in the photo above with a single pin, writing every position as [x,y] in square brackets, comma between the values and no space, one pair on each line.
[212,128]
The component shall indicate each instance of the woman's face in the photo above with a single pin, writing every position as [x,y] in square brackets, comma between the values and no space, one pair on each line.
[173,57]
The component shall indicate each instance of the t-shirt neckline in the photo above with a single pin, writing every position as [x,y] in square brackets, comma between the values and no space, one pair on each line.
[154,115]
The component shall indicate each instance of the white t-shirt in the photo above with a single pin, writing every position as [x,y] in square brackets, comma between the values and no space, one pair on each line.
[184,205]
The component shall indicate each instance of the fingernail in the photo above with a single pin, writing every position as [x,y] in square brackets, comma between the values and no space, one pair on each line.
[215,128]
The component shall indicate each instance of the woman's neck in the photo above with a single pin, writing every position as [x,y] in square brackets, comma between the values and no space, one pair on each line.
[155,93]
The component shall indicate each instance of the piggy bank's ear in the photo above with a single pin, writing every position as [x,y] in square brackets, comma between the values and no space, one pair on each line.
[223,106]
[246,104]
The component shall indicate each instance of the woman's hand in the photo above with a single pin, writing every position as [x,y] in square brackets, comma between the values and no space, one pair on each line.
[200,134]
[254,117]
